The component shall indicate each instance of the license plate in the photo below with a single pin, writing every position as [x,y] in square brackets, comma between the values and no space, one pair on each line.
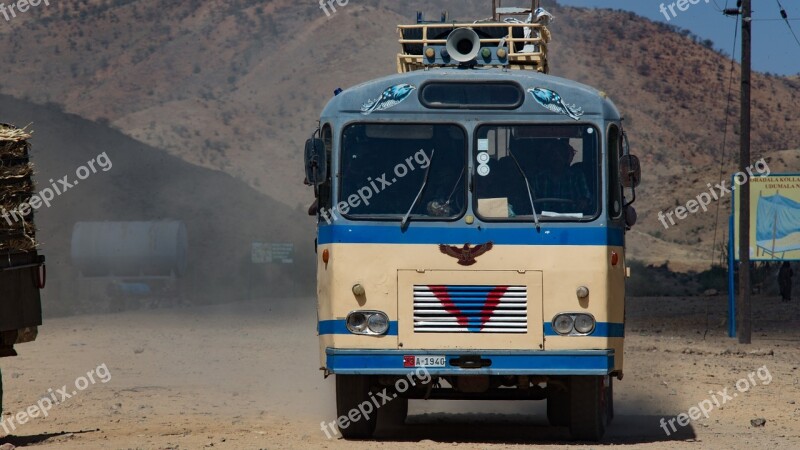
[424,361]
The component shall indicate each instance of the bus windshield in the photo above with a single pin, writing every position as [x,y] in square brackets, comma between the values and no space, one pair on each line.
[553,170]
[384,168]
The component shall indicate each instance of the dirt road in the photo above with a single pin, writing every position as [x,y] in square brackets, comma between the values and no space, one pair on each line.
[246,376]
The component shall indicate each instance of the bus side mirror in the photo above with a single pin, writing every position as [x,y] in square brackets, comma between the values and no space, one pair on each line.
[316,162]
[630,175]
[630,172]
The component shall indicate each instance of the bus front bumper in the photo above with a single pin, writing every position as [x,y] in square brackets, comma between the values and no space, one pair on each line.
[469,362]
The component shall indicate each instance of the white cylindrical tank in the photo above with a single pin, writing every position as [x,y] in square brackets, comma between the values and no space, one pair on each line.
[130,249]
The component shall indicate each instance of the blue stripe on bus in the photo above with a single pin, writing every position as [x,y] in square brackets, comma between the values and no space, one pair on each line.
[601,329]
[391,362]
[340,327]
[418,233]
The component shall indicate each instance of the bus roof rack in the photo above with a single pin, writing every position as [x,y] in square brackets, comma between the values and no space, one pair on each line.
[500,41]
[499,11]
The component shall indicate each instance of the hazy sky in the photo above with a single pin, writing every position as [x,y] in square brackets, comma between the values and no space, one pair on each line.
[774,48]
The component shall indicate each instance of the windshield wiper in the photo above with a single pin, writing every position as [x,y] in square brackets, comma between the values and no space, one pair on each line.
[458,181]
[528,186]
[404,222]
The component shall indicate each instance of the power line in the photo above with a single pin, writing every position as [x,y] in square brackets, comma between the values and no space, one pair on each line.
[786,19]
[725,134]
[722,157]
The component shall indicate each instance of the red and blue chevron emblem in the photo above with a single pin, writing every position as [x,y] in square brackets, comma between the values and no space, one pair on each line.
[472,306]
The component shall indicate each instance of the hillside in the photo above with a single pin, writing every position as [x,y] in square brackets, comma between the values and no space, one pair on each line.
[222,214]
[237,85]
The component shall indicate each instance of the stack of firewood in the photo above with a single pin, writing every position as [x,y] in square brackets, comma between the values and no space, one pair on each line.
[17,231]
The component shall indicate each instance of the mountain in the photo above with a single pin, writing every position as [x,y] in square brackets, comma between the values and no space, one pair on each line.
[237,86]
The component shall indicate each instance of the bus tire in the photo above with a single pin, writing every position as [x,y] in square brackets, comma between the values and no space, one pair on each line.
[394,413]
[588,408]
[558,406]
[352,391]
[610,401]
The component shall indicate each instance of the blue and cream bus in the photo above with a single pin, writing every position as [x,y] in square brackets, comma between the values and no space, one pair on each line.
[471,216]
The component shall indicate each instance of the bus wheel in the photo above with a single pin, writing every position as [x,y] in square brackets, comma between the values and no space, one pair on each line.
[394,413]
[558,406]
[588,408]
[352,391]
[610,401]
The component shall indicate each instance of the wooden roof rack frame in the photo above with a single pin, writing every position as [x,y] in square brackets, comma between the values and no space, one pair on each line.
[524,53]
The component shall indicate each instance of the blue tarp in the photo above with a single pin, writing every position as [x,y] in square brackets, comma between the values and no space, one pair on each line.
[776,217]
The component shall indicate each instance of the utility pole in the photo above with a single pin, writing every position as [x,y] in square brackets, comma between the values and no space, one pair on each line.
[744,324]
[743,304]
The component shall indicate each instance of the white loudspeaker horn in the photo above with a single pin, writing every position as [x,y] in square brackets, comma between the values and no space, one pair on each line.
[463,44]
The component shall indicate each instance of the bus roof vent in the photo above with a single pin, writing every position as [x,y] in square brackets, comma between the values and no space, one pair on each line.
[514,37]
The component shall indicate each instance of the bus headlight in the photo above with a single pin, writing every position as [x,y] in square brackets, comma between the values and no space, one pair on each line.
[368,322]
[378,323]
[584,323]
[573,324]
[563,324]
[357,322]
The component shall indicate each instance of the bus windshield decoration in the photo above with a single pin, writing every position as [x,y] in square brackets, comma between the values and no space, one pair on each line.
[391,97]
[505,279]
[552,101]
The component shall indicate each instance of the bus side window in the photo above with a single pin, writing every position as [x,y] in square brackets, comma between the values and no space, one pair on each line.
[325,198]
[614,188]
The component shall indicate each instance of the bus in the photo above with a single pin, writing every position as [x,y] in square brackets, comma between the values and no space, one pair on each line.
[471,217]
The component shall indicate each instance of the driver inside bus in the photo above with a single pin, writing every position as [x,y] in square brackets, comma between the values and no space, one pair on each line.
[561,186]
[446,192]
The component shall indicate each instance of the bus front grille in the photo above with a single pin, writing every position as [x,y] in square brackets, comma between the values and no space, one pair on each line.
[470,309]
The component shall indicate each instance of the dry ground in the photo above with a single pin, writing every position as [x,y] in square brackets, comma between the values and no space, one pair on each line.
[245,376]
